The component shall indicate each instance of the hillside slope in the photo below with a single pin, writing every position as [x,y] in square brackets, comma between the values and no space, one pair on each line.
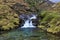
[50,20]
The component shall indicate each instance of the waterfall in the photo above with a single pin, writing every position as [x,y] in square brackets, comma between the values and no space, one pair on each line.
[28,23]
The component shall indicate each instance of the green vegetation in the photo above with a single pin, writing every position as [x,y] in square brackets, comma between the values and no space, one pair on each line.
[8,18]
[50,21]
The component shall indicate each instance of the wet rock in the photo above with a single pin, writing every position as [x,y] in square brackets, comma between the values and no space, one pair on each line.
[35,22]
[23,17]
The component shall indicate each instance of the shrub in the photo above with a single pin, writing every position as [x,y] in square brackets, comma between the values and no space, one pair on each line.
[50,21]
[8,18]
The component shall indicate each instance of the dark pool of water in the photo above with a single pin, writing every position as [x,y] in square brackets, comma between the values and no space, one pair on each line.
[28,34]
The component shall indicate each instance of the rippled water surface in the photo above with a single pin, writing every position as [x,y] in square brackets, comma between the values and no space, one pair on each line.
[28,34]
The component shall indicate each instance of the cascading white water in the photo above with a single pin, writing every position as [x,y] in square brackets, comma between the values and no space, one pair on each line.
[28,23]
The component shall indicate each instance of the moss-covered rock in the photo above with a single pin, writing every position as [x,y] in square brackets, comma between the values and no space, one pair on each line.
[8,18]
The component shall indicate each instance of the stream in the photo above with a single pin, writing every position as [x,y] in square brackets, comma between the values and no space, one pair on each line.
[28,23]
[28,31]
[28,34]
